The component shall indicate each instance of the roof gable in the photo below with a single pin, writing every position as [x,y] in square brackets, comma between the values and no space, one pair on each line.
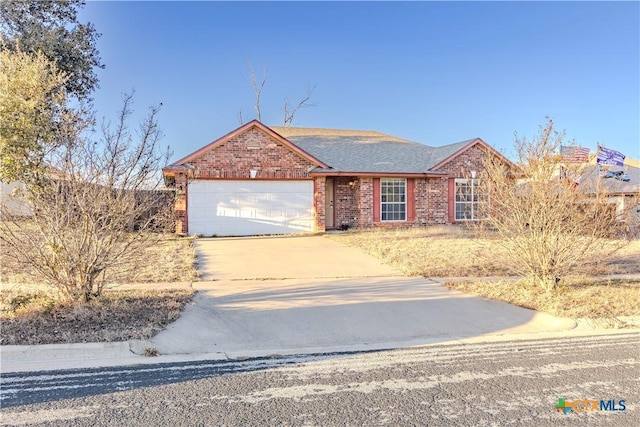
[242,129]
[450,152]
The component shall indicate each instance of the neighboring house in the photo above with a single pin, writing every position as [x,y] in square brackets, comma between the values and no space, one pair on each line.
[262,180]
[11,204]
[13,200]
[621,184]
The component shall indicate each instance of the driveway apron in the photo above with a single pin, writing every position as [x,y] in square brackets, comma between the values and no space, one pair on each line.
[284,295]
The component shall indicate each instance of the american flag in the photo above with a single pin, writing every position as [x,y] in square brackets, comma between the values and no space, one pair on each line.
[572,154]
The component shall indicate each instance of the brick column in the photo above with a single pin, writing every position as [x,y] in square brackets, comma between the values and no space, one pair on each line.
[180,206]
[365,203]
[319,202]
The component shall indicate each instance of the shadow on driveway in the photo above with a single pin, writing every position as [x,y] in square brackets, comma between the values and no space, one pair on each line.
[265,317]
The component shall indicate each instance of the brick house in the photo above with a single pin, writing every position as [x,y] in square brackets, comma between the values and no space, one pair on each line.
[276,180]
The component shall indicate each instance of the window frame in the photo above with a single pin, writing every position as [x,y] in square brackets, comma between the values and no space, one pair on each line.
[475,199]
[394,203]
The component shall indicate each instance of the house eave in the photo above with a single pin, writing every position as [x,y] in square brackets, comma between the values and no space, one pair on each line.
[330,173]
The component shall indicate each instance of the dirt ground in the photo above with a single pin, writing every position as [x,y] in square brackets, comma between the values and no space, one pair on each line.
[37,318]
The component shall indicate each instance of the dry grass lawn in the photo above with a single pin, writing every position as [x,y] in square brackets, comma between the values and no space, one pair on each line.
[429,252]
[173,259]
[583,298]
[31,315]
[454,252]
[37,318]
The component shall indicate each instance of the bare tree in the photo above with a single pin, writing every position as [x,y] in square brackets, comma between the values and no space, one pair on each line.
[548,216]
[94,209]
[257,88]
[289,109]
[290,112]
[240,118]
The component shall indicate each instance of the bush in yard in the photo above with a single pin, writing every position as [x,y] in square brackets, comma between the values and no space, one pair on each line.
[94,207]
[549,216]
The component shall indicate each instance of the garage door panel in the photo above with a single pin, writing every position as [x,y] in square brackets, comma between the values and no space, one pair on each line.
[236,208]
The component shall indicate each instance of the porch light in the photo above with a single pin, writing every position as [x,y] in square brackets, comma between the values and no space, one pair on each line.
[473,174]
[352,184]
[253,173]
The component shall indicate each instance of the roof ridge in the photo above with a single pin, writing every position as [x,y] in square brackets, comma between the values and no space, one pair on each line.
[317,128]
[292,131]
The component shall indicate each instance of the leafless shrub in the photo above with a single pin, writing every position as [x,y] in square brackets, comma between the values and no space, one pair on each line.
[548,217]
[96,207]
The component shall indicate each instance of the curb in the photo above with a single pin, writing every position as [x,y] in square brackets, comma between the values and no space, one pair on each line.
[52,357]
[63,351]
[43,357]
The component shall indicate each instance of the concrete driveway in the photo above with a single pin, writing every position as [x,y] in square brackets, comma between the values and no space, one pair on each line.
[282,295]
[260,258]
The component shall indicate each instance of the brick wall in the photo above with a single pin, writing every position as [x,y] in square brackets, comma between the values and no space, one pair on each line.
[421,207]
[421,202]
[255,150]
[436,200]
[462,165]
[365,203]
[358,203]
[180,207]
[346,201]
[319,197]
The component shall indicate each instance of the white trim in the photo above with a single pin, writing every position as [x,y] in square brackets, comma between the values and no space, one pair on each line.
[404,180]
[474,184]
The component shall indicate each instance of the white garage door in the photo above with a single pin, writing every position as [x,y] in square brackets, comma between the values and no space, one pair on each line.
[245,208]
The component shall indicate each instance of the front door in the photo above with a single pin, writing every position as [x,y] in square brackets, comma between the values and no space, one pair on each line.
[329,211]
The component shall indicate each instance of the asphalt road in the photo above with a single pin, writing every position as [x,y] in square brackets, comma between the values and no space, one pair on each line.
[499,383]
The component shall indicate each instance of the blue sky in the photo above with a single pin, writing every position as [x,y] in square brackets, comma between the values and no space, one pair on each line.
[431,72]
